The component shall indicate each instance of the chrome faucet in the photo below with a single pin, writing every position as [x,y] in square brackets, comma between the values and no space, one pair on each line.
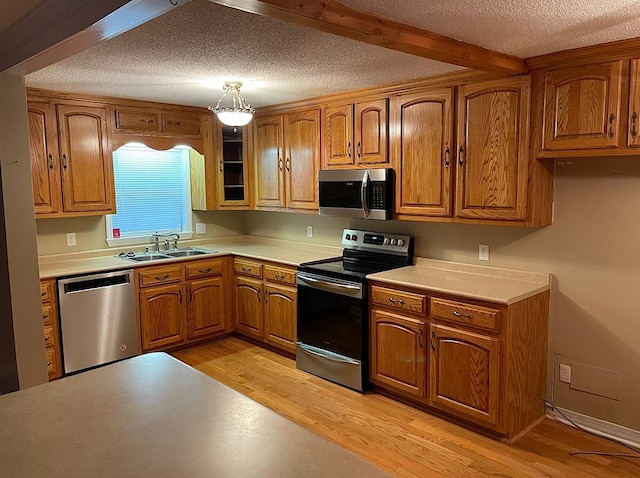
[176,238]
[156,241]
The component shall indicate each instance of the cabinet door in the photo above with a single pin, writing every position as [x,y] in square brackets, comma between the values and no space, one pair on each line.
[493,149]
[280,316]
[269,162]
[87,170]
[372,124]
[633,134]
[162,316]
[423,152]
[249,314]
[302,158]
[398,352]
[45,166]
[465,373]
[338,136]
[582,107]
[205,307]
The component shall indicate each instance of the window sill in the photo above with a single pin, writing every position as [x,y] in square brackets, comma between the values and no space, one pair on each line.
[140,240]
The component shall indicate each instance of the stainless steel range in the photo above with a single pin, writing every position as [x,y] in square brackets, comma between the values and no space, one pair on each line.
[333,305]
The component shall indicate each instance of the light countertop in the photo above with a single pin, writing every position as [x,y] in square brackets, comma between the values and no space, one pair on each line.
[491,284]
[155,416]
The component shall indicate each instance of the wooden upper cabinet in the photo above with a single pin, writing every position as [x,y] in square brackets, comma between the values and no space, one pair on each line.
[582,107]
[423,150]
[269,168]
[87,170]
[181,124]
[338,136]
[45,166]
[135,120]
[465,373]
[371,127]
[493,149]
[633,133]
[302,158]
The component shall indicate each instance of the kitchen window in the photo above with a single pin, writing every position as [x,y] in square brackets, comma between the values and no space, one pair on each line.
[152,194]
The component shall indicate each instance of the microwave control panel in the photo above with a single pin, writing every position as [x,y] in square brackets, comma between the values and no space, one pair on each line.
[377,196]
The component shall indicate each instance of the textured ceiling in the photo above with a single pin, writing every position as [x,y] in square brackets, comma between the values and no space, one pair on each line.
[12,10]
[185,56]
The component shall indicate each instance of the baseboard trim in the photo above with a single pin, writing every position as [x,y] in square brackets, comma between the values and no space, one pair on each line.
[607,429]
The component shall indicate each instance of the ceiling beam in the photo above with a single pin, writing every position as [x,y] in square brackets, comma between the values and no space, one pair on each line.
[333,17]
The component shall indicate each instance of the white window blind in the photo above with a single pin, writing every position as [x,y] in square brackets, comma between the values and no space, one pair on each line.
[152,192]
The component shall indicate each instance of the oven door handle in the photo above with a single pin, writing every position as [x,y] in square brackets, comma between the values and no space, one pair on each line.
[330,284]
[364,193]
[306,349]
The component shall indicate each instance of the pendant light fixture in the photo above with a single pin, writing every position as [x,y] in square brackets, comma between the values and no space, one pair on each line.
[237,115]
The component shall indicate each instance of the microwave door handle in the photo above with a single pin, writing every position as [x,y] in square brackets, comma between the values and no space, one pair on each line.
[364,193]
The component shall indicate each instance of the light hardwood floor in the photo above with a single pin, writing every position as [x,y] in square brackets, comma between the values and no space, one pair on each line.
[398,438]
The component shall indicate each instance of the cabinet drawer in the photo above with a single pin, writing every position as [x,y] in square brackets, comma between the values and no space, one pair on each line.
[47,315]
[181,124]
[52,363]
[160,275]
[283,276]
[248,268]
[49,336]
[467,314]
[198,269]
[46,291]
[396,299]
[135,120]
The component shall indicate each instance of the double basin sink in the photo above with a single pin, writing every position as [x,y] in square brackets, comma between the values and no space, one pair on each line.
[164,255]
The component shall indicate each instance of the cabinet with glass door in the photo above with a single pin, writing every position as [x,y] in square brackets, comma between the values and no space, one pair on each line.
[232,178]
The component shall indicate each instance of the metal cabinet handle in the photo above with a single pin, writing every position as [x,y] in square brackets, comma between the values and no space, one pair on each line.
[420,339]
[146,120]
[164,277]
[466,316]
[50,161]
[393,301]
[64,161]
[447,153]
[205,271]
[42,293]
[460,156]
[265,295]
[288,163]
[612,117]
[47,339]
[45,316]
[48,364]
[634,119]
[359,150]
[280,164]
[220,165]
[433,338]
[349,149]
[176,123]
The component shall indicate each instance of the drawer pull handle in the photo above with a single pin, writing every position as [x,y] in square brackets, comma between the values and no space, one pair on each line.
[45,316]
[394,301]
[42,293]
[175,123]
[420,339]
[205,271]
[466,316]
[47,338]
[48,364]
[146,120]
[164,277]
[265,295]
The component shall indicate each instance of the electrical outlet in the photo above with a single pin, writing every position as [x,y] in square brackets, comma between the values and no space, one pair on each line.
[483,252]
[309,231]
[71,239]
[201,228]
[565,373]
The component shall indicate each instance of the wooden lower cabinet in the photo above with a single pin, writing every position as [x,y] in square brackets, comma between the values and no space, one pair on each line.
[266,303]
[51,328]
[182,303]
[465,373]
[480,362]
[398,352]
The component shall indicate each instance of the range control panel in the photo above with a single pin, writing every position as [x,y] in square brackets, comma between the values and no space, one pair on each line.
[367,240]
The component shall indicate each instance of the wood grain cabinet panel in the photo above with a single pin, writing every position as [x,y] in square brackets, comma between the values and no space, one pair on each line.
[51,328]
[466,314]
[45,166]
[398,352]
[280,309]
[135,120]
[371,132]
[338,139]
[162,316]
[87,171]
[183,125]
[249,312]
[582,107]
[396,299]
[205,308]
[423,152]
[492,153]
[633,133]
[269,181]
[465,373]
[302,158]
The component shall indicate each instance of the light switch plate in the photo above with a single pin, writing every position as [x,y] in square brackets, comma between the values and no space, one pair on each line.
[483,252]
[71,239]
[201,228]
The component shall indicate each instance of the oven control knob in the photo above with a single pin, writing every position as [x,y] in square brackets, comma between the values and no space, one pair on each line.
[354,237]
[393,242]
[400,242]
[386,241]
[347,237]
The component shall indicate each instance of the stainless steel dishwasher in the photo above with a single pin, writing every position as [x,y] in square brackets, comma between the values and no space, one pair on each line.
[97,319]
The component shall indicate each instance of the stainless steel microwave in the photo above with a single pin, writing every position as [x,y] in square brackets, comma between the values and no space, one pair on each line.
[358,193]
